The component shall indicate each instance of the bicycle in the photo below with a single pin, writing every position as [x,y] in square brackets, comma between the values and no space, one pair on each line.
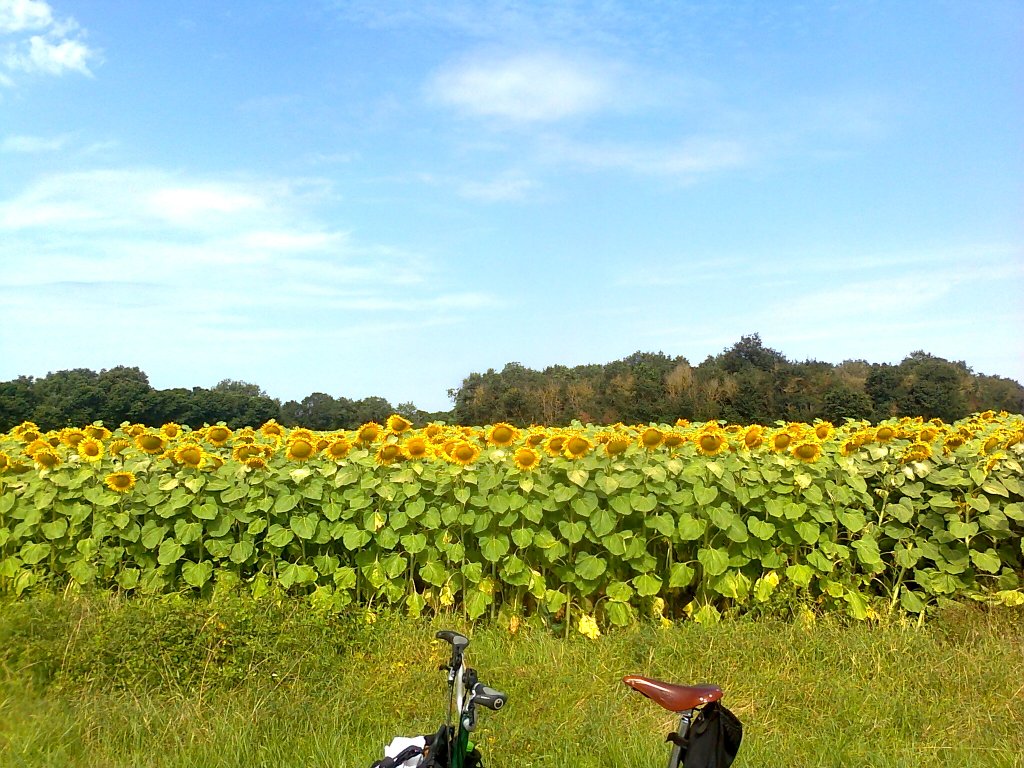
[450,747]
[708,734]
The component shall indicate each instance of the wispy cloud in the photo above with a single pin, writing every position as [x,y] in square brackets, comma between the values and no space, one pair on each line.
[687,159]
[523,88]
[33,144]
[244,242]
[41,42]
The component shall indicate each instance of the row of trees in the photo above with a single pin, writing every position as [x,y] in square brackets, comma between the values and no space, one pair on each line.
[81,396]
[747,383]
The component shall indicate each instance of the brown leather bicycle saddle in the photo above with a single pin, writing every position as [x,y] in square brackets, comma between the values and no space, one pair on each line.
[675,698]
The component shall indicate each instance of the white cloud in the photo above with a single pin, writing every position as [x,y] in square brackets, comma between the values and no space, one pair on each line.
[687,159]
[527,88]
[42,43]
[21,15]
[505,187]
[32,144]
[214,253]
[50,56]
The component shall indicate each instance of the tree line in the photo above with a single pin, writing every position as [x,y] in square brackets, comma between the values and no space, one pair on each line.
[746,383]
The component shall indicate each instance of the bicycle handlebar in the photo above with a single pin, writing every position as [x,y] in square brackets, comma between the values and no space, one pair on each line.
[488,697]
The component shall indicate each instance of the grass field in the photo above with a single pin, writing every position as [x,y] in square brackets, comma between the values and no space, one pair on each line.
[99,681]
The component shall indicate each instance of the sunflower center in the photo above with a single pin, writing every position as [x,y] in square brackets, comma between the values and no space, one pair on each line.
[47,459]
[577,446]
[806,451]
[711,442]
[651,438]
[191,456]
[150,443]
[301,449]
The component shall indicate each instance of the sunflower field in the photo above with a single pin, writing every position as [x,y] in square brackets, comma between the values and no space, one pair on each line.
[594,525]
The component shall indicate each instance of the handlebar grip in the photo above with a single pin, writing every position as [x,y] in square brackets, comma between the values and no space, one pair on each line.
[488,697]
[458,641]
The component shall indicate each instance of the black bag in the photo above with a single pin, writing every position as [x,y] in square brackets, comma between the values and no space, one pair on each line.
[713,738]
[437,752]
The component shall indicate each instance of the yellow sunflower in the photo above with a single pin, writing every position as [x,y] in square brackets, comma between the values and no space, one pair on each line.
[25,426]
[368,433]
[753,436]
[151,443]
[927,434]
[417,448]
[502,435]
[464,453]
[807,451]
[338,449]
[535,438]
[191,455]
[823,430]
[917,452]
[218,434]
[5,461]
[121,482]
[301,433]
[849,447]
[243,451]
[256,462]
[133,430]
[526,458]
[170,430]
[780,441]
[35,446]
[616,445]
[711,442]
[682,422]
[884,434]
[72,436]
[651,438]
[272,429]
[398,424]
[389,453]
[952,442]
[554,444]
[300,449]
[46,458]
[117,447]
[97,432]
[432,430]
[674,439]
[90,449]
[992,443]
[576,447]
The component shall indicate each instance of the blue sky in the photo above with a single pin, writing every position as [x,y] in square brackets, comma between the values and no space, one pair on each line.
[377,198]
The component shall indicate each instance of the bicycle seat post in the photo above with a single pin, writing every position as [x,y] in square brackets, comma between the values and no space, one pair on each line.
[680,735]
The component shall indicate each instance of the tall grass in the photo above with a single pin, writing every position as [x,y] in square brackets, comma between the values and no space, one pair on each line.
[102,682]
